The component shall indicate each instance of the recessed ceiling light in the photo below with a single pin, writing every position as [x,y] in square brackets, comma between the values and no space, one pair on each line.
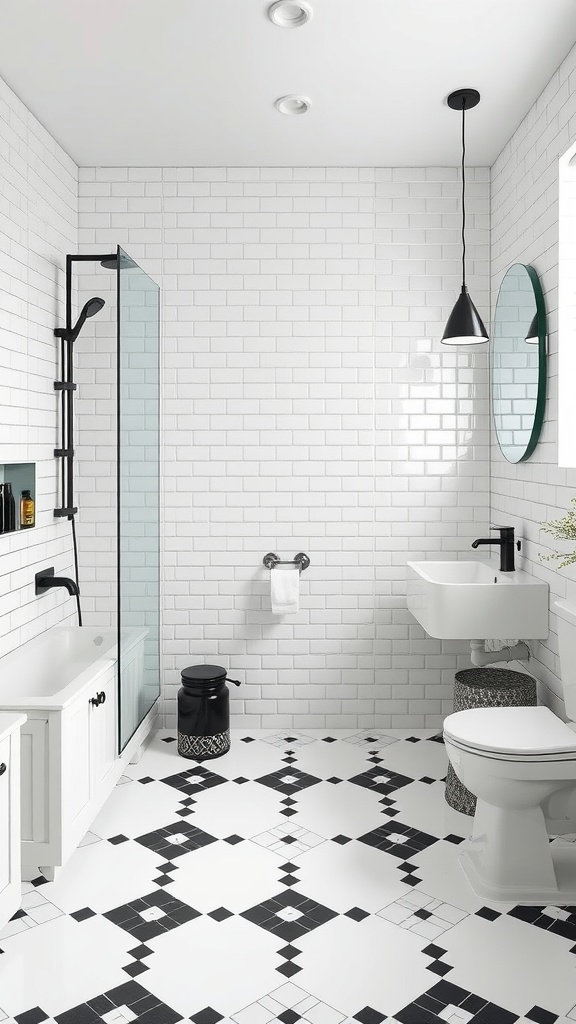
[290,13]
[293,104]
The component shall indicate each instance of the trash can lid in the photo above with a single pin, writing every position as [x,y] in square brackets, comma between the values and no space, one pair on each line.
[206,674]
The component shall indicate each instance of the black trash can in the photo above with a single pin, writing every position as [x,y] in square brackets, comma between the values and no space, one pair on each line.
[204,712]
[485,688]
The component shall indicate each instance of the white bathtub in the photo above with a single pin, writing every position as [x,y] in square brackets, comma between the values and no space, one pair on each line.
[66,683]
[51,670]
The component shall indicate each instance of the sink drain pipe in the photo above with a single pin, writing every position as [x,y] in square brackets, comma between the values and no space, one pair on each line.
[479,656]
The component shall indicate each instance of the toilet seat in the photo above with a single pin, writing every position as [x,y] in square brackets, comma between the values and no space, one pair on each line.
[512,734]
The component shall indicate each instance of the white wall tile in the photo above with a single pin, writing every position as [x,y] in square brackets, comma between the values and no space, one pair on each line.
[307,406]
[525,230]
[39,211]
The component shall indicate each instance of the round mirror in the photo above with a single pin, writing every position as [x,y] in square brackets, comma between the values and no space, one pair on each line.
[518,363]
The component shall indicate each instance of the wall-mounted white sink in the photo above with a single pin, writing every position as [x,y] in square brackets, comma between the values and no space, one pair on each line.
[471,600]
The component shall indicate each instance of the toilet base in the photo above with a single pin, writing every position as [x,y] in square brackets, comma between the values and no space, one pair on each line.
[563,855]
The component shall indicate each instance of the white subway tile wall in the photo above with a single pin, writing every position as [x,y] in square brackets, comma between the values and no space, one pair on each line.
[525,230]
[307,406]
[38,226]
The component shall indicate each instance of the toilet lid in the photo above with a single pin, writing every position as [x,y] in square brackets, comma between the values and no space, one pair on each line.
[528,732]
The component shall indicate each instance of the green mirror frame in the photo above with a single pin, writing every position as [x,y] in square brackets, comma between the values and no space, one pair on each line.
[517,366]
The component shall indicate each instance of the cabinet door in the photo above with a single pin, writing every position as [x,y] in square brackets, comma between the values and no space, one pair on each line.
[5,814]
[76,778]
[103,739]
[10,895]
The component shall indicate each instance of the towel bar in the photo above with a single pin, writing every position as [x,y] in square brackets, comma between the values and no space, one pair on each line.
[271,561]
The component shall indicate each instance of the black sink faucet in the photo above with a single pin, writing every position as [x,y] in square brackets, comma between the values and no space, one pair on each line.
[506,542]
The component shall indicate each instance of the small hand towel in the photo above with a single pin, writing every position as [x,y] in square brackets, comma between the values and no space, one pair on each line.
[285,590]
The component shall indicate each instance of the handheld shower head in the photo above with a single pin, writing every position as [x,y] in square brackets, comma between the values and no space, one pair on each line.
[90,308]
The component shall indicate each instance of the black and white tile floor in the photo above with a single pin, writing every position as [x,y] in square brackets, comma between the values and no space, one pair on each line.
[302,877]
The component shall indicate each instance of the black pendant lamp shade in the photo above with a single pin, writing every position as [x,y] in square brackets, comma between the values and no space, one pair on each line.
[464,325]
[532,337]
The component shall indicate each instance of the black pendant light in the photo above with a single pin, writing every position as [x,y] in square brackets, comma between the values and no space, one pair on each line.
[464,325]
[532,335]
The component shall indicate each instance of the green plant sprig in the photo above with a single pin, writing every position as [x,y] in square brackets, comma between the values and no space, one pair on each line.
[562,529]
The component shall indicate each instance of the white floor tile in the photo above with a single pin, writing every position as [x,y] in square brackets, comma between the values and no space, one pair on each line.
[234,809]
[135,810]
[62,963]
[344,809]
[369,957]
[423,807]
[380,966]
[235,877]
[226,965]
[512,964]
[354,875]
[103,876]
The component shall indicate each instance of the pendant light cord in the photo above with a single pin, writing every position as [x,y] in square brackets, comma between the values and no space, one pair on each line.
[463,196]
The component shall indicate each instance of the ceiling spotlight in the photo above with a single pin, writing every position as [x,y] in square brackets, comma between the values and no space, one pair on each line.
[293,104]
[290,13]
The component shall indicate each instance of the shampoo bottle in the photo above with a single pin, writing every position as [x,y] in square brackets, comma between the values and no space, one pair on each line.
[9,509]
[27,511]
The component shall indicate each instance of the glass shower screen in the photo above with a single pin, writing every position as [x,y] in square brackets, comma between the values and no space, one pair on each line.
[138,397]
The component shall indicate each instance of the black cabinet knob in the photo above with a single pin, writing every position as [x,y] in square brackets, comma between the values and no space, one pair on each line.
[2,768]
[99,699]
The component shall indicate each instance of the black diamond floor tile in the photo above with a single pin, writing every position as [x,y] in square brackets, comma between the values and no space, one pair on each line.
[288,969]
[426,1009]
[83,915]
[207,1016]
[289,915]
[35,1016]
[399,840]
[369,1016]
[136,968]
[357,914]
[194,780]
[221,914]
[381,780]
[175,840]
[145,1007]
[289,952]
[288,781]
[487,914]
[289,1017]
[151,915]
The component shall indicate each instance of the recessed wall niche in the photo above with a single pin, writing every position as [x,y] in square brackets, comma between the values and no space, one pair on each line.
[22,477]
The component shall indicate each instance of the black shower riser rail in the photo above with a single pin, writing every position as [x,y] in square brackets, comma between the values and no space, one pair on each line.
[66,387]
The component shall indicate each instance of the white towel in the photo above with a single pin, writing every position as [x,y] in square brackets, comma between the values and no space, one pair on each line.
[285,590]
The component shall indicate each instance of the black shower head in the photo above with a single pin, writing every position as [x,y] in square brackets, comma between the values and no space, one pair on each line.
[92,307]
[111,262]
[89,309]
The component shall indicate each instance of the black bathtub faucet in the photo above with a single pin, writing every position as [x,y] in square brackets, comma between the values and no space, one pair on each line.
[46,580]
[507,545]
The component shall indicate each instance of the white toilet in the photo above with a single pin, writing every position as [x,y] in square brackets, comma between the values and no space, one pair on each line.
[521,765]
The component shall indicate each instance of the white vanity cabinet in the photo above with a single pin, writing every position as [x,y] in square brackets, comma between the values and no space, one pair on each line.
[66,684]
[70,765]
[10,894]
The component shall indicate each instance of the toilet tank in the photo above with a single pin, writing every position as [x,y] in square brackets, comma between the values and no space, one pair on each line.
[566,614]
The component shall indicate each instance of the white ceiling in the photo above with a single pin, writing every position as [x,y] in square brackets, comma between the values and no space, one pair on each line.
[193,82]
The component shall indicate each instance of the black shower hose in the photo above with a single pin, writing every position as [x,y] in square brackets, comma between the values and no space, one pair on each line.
[75,545]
